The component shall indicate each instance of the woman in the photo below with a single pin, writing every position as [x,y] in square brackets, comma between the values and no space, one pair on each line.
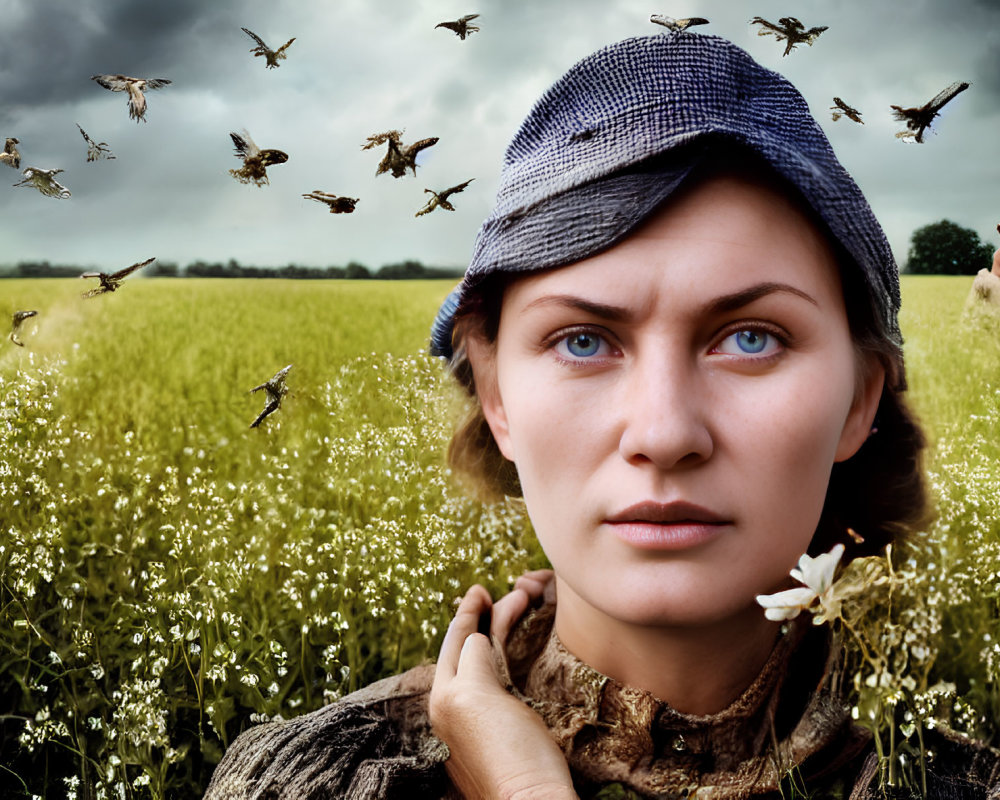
[679,328]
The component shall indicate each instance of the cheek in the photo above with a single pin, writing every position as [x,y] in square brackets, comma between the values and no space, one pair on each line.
[561,433]
[551,419]
[785,432]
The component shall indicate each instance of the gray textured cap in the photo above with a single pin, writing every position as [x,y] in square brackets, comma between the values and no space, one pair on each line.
[612,138]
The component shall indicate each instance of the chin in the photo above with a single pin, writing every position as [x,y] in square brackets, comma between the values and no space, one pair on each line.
[668,608]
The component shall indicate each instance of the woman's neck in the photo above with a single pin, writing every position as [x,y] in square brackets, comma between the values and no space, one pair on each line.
[697,670]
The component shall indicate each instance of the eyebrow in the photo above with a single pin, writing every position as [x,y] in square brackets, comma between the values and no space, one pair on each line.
[744,297]
[721,305]
[600,310]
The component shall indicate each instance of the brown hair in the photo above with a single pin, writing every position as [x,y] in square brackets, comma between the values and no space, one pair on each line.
[879,493]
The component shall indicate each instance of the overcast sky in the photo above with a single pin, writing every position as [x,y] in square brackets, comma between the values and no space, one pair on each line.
[359,67]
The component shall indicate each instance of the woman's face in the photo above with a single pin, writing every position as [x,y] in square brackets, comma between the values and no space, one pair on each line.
[674,405]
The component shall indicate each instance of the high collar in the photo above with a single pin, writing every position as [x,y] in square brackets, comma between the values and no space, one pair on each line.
[790,716]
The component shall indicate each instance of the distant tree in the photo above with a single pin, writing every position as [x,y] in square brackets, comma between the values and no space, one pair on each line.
[410,269]
[356,271]
[944,248]
[202,269]
[43,269]
[163,269]
[402,271]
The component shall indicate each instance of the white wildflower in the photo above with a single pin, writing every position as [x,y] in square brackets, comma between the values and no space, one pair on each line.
[817,575]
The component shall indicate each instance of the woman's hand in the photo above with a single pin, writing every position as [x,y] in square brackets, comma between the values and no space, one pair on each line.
[500,748]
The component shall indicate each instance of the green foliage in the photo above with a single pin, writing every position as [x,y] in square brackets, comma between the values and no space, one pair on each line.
[169,577]
[944,248]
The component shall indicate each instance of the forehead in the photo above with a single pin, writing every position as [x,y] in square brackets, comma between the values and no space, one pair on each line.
[721,232]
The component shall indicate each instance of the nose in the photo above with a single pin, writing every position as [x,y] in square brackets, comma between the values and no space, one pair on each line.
[664,414]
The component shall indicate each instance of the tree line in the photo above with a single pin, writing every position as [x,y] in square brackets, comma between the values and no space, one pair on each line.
[404,270]
[941,248]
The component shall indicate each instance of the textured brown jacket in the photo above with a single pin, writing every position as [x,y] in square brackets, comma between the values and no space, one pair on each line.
[787,735]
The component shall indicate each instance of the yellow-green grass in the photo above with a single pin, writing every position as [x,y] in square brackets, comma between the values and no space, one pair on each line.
[952,352]
[159,351]
[170,576]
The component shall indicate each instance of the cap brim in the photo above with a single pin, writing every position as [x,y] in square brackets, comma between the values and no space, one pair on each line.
[567,228]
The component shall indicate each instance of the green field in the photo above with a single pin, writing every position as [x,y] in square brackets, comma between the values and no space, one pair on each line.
[168,576]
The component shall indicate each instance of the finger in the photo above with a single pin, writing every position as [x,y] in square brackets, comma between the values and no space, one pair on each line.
[476,662]
[508,610]
[532,587]
[466,620]
[534,582]
[537,577]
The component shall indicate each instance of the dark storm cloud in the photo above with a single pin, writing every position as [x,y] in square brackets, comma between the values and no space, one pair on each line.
[62,44]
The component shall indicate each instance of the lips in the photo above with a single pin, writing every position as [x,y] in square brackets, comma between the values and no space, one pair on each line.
[668,513]
[667,526]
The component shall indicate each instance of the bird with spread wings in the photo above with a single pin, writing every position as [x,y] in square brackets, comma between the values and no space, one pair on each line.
[275,389]
[677,25]
[461,26]
[95,150]
[110,282]
[10,155]
[18,321]
[135,88]
[255,160]
[841,109]
[398,156]
[790,29]
[272,57]
[337,204]
[918,119]
[45,181]
[440,199]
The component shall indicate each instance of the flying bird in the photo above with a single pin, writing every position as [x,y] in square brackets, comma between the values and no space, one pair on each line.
[841,109]
[45,181]
[919,119]
[10,155]
[440,199]
[111,282]
[677,25]
[272,56]
[95,150]
[397,157]
[338,205]
[255,160]
[788,28]
[275,390]
[135,88]
[461,27]
[19,318]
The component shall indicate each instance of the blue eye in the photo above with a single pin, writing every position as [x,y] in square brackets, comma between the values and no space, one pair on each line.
[749,342]
[583,345]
